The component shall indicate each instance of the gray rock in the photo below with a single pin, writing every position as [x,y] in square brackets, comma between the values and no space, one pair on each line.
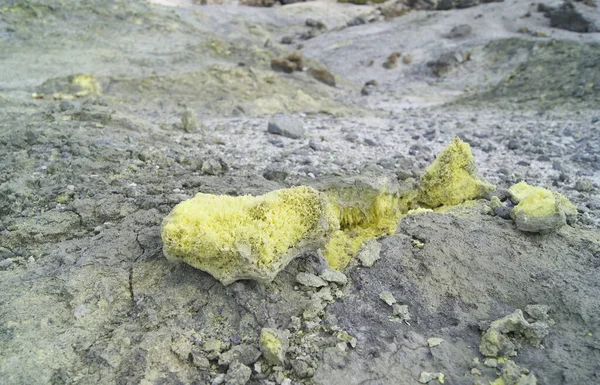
[448,62]
[287,126]
[568,17]
[287,40]
[275,173]
[387,297]
[584,185]
[460,31]
[310,280]
[214,166]
[334,276]
[6,264]
[238,374]
[199,360]
[189,120]
[245,354]
[358,20]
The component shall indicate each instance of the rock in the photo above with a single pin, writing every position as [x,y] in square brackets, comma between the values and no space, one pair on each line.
[287,126]
[214,166]
[199,360]
[460,31]
[387,297]
[448,62]
[434,341]
[238,374]
[248,237]
[273,345]
[358,20]
[334,276]
[245,354]
[538,312]
[310,280]
[427,377]
[490,362]
[283,65]
[6,264]
[452,178]
[189,120]
[407,58]
[401,311]
[568,17]
[323,75]
[287,40]
[218,380]
[392,61]
[318,24]
[368,87]
[584,185]
[539,210]
[275,173]
[94,113]
[369,253]
[503,212]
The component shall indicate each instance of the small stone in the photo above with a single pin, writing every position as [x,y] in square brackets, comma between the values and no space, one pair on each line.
[475,372]
[190,121]
[286,126]
[392,61]
[245,354]
[407,58]
[427,377]
[401,311]
[434,341]
[387,297]
[584,185]
[334,276]
[275,174]
[323,75]
[310,280]
[490,362]
[513,144]
[6,264]
[199,360]
[218,380]
[528,379]
[273,345]
[214,166]
[287,40]
[238,374]
[538,312]
[460,31]
[358,20]
[369,253]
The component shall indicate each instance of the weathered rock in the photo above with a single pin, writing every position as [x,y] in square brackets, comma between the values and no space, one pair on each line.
[392,61]
[214,166]
[334,276]
[238,374]
[539,210]
[427,377]
[247,237]
[189,120]
[568,17]
[323,75]
[387,297]
[584,185]
[245,354]
[448,62]
[273,345]
[460,31]
[287,126]
[310,280]
[369,253]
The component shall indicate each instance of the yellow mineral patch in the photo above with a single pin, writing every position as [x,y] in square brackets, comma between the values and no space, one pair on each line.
[88,84]
[363,215]
[246,236]
[451,179]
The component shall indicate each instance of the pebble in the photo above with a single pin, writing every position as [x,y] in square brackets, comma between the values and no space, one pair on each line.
[584,185]
[434,341]
[387,297]
[334,276]
[287,126]
[369,253]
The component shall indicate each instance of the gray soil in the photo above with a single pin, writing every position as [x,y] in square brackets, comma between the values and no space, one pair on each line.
[86,294]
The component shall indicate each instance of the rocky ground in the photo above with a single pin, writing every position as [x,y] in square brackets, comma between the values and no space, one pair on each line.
[112,112]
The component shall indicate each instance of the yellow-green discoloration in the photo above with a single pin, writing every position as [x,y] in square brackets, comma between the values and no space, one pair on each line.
[539,209]
[247,237]
[87,84]
[273,346]
[452,179]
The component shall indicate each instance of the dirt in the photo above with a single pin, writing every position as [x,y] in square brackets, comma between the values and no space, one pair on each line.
[94,154]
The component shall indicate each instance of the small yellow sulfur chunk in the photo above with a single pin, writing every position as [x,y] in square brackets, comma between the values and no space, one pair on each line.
[248,237]
[273,345]
[451,179]
[539,209]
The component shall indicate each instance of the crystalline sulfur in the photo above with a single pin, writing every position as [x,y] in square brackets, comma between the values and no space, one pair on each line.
[243,237]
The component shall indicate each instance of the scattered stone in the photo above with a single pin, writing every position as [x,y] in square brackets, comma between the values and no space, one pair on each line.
[199,360]
[539,210]
[318,24]
[368,87]
[387,297]
[238,374]
[401,311]
[584,185]
[283,65]
[245,354]
[434,341]
[407,58]
[358,20]
[310,280]
[273,345]
[323,75]
[568,17]
[460,31]
[392,61]
[287,40]
[214,166]
[490,362]
[334,276]
[189,121]
[369,253]
[538,312]
[427,377]
[275,173]
[447,62]
[287,126]
[218,380]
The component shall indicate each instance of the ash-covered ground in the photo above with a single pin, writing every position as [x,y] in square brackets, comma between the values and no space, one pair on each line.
[112,112]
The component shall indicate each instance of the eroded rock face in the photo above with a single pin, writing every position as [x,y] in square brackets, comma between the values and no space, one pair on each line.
[248,237]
